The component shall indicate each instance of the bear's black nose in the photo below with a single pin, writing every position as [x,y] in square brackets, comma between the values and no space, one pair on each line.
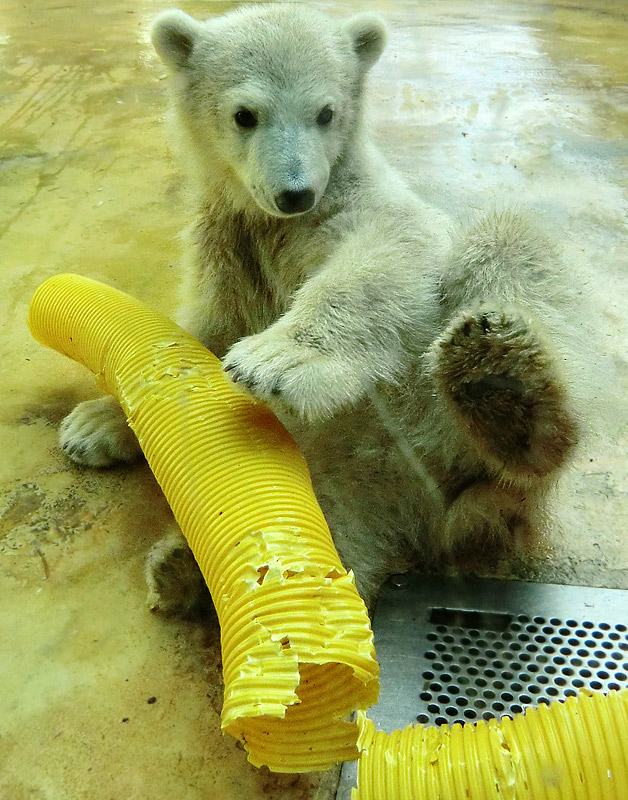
[295,202]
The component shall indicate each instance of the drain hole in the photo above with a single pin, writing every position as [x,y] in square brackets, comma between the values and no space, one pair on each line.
[586,673]
[461,618]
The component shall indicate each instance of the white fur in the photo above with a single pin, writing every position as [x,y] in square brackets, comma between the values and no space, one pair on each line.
[422,376]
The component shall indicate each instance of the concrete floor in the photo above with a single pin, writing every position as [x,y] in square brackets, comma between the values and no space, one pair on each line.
[517,101]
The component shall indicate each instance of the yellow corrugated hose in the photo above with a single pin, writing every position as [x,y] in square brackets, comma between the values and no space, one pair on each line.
[297,645]
[576,750]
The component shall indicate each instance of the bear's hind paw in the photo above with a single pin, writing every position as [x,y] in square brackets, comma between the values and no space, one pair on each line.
[501,386]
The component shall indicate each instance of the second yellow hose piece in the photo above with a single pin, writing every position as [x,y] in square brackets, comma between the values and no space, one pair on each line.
[297,646]
[576,750]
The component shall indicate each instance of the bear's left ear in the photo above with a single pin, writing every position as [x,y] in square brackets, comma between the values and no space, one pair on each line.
[369,35]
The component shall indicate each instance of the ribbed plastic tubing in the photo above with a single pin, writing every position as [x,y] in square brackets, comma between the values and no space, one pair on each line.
[571,750]
[297,646]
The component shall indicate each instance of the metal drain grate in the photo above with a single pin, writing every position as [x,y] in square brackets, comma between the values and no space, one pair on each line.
[481,672]
[461,650]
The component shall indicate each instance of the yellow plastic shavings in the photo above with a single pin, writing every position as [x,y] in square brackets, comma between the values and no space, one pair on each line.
[297,646]
[572,750]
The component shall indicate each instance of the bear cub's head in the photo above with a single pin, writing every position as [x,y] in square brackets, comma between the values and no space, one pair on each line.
[268,98]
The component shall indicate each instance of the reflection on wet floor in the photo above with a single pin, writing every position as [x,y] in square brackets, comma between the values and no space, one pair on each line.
[479,103]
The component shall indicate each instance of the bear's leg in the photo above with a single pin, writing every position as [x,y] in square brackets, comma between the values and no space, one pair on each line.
[176,586]
[498,383]
[488,513]
[96,434]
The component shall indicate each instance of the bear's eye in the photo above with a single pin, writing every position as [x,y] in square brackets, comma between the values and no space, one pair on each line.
[325,115]
[245,118]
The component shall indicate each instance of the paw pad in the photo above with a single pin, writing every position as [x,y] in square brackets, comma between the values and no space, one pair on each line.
[501,386]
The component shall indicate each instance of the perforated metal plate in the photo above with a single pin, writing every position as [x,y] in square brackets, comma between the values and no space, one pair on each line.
[461,649]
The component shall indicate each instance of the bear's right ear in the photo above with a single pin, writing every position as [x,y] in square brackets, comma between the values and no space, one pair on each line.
[174,34]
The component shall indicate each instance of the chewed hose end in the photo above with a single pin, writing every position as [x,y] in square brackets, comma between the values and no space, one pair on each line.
[571,750]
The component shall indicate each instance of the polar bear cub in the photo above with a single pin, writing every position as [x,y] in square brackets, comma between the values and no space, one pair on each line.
[424,376]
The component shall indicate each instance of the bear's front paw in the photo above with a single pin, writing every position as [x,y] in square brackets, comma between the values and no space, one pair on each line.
[96,434]
[298,378]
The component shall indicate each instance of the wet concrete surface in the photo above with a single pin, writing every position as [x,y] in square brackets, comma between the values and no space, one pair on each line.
[478,102]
